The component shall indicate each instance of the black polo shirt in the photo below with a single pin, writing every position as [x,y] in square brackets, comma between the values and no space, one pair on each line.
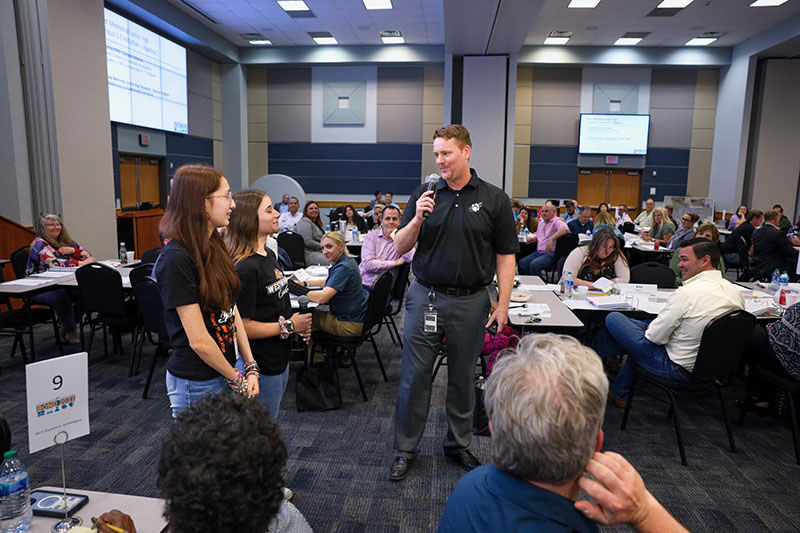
[459,240]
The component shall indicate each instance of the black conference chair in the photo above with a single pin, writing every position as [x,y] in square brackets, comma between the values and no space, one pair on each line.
[564,246]
[151,314]
[151,255]
[376,308]
[743,261]
[394,307]
[5,435]
[103,304]
[138,273]
[293,244]
[721,350]
[654,274]
[628,227]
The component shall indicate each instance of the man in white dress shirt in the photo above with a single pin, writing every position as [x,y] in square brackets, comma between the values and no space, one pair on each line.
[289,219]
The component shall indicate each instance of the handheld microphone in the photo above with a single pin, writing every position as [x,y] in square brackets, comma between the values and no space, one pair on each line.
[431,180]
[302,301]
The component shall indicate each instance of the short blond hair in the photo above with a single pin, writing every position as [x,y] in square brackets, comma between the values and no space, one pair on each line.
[336,237]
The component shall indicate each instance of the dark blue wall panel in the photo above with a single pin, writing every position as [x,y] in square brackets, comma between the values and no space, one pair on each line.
[343,168]
[671,166]
[553,172]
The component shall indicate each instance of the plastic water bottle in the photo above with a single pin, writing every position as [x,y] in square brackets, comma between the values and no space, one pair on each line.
[355,235]
[569,284]
[562,283]
[527,232]
[327,228]
[783,282]
[588,233]
[123,254]
[15,495]
[774,284]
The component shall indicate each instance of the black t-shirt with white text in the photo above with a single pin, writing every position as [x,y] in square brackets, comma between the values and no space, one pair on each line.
[179,285]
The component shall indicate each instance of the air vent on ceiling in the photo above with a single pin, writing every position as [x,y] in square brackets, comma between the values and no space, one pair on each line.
[636,35]
[199,12]
[391,33]
[664,12]
[252,36]
[712,34]
[560,34]
[301,14]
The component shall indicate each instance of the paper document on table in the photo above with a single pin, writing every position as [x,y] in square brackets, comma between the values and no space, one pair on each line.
[317,271]
[609,302]
[603,285]
[541,288]
[759,306]
[31,282]
[50,274]
[537,310]
[638,288]
[301,275]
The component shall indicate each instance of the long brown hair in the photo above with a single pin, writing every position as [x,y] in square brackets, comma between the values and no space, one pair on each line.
[186,222]
[64,238]
[600,237]
[241,235]
[318,222]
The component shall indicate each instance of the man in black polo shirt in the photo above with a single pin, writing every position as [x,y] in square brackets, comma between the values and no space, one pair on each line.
[468,235]
[730,248]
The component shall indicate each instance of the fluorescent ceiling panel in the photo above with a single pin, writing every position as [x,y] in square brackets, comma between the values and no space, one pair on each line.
[556,40]
[588,4]
[378,4]
[627,41]
[393,40]
[325,40]
[293,5]
[679,4]
[767,3]
[260,42]
[700,41]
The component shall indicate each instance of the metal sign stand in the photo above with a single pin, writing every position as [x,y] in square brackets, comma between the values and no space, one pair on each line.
[67,522]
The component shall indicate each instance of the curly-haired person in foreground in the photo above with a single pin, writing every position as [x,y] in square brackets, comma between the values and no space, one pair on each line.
[545,401]
[221,470]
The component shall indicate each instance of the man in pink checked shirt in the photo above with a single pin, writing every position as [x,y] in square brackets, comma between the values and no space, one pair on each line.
[378,253]
[550,229]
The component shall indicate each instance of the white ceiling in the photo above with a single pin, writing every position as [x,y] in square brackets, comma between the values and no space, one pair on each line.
[422,21]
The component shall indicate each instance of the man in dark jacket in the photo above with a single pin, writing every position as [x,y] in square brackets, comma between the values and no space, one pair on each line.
[771,248]
[730,248]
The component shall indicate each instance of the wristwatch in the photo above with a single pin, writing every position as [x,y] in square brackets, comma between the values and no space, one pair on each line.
[289,326]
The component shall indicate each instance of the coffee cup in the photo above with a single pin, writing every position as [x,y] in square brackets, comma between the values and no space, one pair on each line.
[130,256]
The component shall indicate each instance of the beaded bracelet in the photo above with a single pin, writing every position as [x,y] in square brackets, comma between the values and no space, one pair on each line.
[238,385]
[251,368]
[284,330]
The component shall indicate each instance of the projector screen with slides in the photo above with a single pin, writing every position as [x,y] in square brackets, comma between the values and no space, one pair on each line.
[613,134]
[146,77]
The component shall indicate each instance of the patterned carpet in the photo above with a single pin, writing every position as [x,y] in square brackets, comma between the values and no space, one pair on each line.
[339,460]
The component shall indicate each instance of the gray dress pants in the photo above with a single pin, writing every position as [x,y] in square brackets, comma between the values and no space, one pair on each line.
[461,320]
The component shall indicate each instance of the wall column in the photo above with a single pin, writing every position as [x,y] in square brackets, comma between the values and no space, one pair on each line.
[234,125]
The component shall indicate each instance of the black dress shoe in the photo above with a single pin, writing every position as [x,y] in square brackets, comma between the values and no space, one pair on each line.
[343,361]
[400,467]
[465,460]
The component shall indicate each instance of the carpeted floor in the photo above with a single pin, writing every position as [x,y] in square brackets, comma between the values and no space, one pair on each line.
[339,460]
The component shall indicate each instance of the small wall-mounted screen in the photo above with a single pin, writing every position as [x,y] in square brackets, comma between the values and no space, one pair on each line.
[613,134]
[146,77]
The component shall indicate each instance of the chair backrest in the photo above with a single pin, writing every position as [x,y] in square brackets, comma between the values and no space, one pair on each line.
[293,244]
[564,246]
[399,288]
[723,345]
[5,435]
[151,255]
[141,272]
[151,310]
[100,287]
[376,303]
[560,268]
[19,261]
[628,227]
[654,273]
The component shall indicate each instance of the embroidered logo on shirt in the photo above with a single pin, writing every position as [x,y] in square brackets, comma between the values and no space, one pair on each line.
[476,207]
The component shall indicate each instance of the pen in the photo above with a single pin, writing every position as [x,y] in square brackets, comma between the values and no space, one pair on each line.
[109,526]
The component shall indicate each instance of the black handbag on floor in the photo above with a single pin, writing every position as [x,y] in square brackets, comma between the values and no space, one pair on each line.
[480,421]
[317,386]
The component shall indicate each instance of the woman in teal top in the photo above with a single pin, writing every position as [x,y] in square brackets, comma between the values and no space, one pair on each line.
[706,231]
[662,229]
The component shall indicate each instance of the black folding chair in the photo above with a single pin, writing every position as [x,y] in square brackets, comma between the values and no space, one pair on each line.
[293,244]
[103,304]
[564,246]
[394,307]
[721,350]
[140,272]
[628,227]
[376,308]
[151,314]
[5,435]
[151,255]
[655,274]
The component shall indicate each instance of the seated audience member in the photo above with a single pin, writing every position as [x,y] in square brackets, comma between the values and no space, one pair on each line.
[784,222]
[549,229]
[771,248]
[670,216]
[353,221]
[684,232]
[526,220]
[377,200]
[571,212]
[54,247]
[310,228]
[667,346]
[282,206]
[516,207]
[390,200]
[543,448]
[622,215]
[730,248]
[218,435]
[582,224]
[606,220]
[704,231]
[378,254]
[374,217]
[738,218]
[602,258]
[793,234]
[645,218]
[661,229]
[288,220]
[602,208]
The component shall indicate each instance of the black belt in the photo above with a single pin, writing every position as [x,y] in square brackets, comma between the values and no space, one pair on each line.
[453,292]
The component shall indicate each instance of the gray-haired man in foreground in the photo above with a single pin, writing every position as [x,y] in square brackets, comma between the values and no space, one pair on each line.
[545,402]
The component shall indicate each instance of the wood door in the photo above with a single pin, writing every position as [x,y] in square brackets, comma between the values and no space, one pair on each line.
[624,188]
[148,180]
[592,187]
[127,181]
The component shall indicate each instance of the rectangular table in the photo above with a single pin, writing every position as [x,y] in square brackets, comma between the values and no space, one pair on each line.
[561,316]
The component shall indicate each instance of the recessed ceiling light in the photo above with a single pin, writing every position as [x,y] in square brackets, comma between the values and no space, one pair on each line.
[556,40]
[583,3]
[378,4]
[293,5]
[767,3]
[260,42]
[627,41]
[679,4]
[700,41]
[393,40]
[325,40]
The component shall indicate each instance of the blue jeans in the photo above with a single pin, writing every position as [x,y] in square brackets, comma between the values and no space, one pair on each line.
[183,392]
[270,389]
[533,264]
[652,357]
[62,304]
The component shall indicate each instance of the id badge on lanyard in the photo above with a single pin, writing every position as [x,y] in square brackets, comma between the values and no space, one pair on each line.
[430,318]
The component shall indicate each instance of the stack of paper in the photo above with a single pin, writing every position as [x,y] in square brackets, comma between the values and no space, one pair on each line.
[533,310]
[603,285]
[760,306]
[610,302]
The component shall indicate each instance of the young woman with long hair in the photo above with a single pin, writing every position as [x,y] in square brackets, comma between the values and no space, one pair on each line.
[199,286]
[662,229]
[601,258]
[353,221]
[263,303]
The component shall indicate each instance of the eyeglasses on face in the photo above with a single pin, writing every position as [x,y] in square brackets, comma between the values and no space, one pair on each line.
[229,195]
[53,225]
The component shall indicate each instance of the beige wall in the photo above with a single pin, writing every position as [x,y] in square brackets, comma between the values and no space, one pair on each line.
[522,132]
[703,116]
[432,115]
[82,122]
[257,122]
